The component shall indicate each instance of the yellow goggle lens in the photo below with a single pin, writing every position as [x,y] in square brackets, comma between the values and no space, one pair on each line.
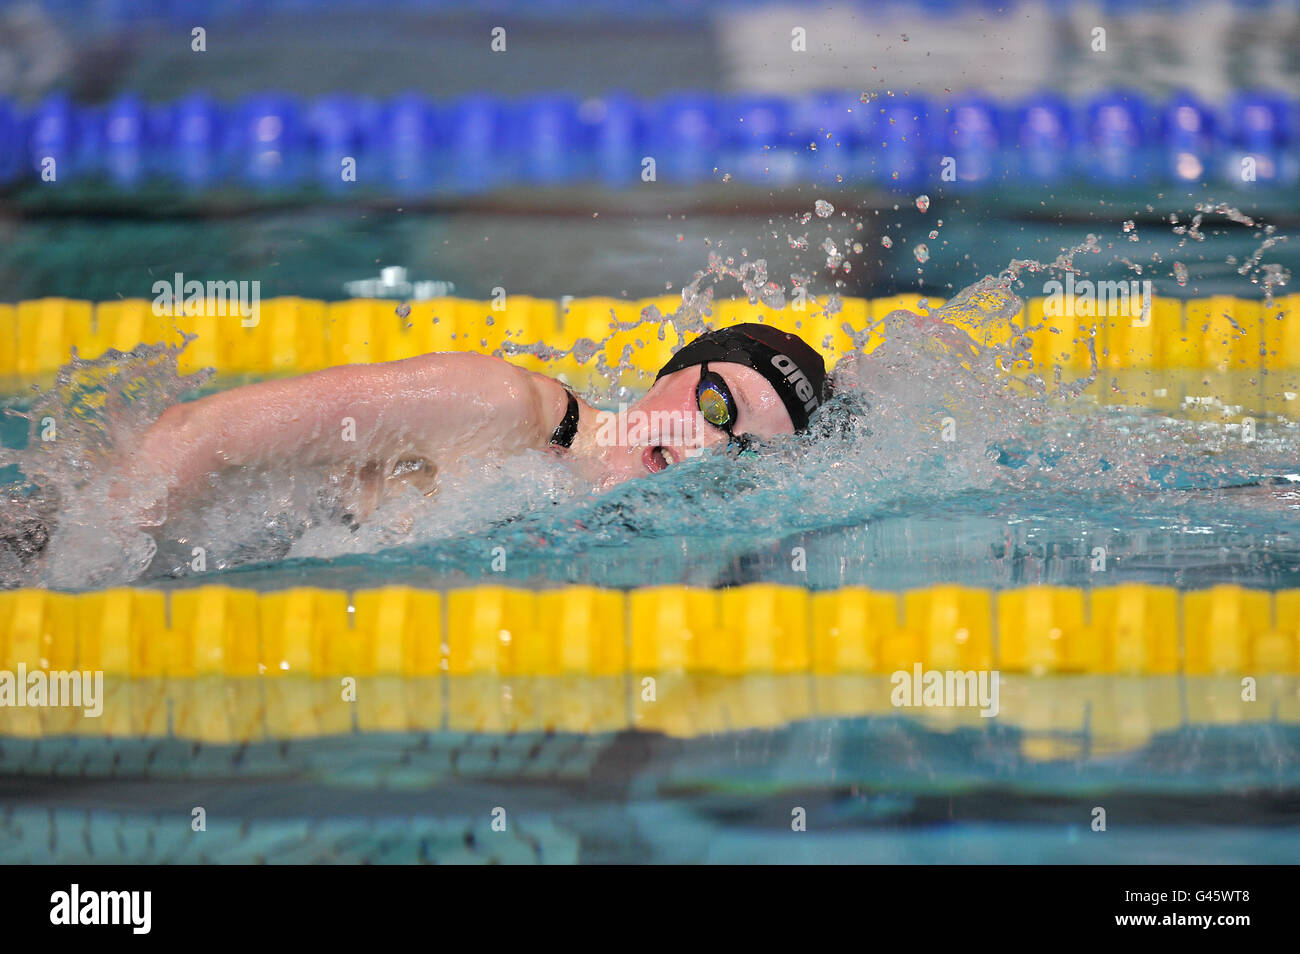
[714,407]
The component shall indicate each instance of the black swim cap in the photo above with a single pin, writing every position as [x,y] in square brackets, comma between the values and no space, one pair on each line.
[795,370]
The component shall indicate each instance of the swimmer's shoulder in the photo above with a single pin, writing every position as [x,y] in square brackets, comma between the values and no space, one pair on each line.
[535,402]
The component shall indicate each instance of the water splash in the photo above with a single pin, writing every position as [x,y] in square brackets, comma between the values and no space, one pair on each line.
[73,506]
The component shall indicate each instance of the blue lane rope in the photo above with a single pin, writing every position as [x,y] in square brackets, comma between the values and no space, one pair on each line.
[414,145]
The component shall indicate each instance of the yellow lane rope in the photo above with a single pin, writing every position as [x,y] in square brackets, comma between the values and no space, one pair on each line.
[286,335]
[1105,668]
[761,628]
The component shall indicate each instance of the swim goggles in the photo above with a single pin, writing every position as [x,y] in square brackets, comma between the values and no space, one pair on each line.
[718,407]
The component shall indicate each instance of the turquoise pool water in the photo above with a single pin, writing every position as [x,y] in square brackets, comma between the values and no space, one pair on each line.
[1190,540]
[875,791]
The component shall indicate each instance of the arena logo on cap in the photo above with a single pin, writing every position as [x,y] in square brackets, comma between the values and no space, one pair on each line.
[803,388]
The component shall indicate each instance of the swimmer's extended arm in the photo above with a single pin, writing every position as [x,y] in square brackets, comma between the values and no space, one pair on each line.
[428,406]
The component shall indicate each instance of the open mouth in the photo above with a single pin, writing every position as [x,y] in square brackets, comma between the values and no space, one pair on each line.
[658,458]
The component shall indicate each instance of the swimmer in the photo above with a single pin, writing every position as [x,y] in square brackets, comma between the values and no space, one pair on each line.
[404,423]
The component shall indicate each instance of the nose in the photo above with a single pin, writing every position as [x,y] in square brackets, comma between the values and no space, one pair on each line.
[687,435]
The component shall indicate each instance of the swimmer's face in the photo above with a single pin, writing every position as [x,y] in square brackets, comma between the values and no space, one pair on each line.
[666,426]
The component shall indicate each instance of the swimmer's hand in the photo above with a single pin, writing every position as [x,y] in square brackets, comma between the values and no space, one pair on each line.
[434,408]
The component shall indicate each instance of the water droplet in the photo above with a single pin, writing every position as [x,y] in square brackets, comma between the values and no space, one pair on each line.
[923,202]
[922,253]
[681,237]
[1180,273]
[1129,225]
[726,177]
[886,241]
[772,295]
[403,310]
[934,233]
[833,256]
[824,208]
[857,248]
